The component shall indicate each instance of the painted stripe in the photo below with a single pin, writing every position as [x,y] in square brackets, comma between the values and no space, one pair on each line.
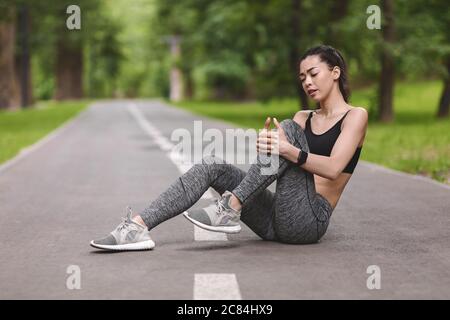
[180,162]
[216,286]
[201,234]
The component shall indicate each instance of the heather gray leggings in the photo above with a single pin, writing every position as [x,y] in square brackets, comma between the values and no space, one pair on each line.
[294,214]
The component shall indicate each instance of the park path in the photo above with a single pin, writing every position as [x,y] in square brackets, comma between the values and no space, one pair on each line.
[75,187]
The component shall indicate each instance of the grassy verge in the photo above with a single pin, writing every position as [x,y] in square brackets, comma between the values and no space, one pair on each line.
[22,128]
[416,142]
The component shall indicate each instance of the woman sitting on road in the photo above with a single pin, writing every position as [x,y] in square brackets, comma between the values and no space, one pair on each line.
[318,151]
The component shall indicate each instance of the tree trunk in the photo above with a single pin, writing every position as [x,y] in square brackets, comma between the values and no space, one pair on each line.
[387,77]
[69,70]
[339,10]
[294,54]
[9,93]
[23,69]
[189,92]
[444,102]
[176,76]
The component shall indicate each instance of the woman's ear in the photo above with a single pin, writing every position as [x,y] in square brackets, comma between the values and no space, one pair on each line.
[336,72]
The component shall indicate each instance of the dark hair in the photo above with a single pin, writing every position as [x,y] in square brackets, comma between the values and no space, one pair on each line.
[333,58]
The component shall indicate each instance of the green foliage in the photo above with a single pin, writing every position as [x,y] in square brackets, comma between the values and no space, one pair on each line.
[19,129]
[232,48]
[416,142]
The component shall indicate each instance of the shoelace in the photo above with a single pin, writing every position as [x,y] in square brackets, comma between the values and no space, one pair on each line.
[125,222]
[220,207]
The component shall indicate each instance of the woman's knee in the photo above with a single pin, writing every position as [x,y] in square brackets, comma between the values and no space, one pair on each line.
[211,165]
[212,159]
[290,125]
[294,133]
[217,167]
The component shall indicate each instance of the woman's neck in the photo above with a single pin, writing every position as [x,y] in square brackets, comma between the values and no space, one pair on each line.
[333,104]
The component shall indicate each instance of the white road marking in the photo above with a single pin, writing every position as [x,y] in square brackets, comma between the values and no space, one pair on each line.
[216,286]
[182,164]
[206,286]
[205,235]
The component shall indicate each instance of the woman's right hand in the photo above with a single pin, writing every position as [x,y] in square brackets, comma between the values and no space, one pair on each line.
[263,144]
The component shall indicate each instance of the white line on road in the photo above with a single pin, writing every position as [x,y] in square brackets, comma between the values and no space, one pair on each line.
[182,164]
[205,235]
[206,286]
[216,286]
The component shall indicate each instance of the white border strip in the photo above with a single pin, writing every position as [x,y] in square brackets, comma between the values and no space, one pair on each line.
[216,286]
[26,151]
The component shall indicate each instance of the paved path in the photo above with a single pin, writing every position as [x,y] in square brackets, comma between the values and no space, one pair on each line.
[75,187]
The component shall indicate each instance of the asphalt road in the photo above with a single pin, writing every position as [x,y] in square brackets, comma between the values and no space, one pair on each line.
[75,187]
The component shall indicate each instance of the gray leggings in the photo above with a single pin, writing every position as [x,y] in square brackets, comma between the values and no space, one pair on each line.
[295,213]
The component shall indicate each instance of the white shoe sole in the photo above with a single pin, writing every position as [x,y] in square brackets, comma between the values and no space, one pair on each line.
[233,229]
[142,245]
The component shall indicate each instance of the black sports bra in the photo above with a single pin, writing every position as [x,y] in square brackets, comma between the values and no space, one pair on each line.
[322,144]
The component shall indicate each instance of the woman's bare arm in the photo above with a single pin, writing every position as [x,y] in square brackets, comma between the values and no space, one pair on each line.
[330,167]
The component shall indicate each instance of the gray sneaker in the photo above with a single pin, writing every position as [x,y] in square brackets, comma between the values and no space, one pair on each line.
[219,217]
[128,235]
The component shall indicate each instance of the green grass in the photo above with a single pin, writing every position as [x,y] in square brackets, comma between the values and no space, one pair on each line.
[24,127]
[416,142]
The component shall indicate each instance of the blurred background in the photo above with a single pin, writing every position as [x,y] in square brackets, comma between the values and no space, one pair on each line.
[233,60]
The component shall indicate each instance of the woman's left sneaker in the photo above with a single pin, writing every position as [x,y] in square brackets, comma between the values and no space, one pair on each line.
[127,236]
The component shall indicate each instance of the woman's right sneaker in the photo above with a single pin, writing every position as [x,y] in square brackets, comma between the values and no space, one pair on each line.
[127,236]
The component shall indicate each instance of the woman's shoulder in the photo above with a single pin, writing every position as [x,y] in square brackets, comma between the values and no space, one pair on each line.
[301,116]
[358,112]
[357,116]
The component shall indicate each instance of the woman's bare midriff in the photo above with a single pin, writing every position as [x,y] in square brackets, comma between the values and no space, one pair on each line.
[331,189]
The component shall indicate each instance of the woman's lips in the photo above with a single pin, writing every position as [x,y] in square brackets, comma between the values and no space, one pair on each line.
[312,92]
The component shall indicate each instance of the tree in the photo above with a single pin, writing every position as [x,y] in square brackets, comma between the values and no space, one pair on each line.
[69,56]
[23,55]
[387,76]
[444,101]
[295,52]
[9,92]
[69,69]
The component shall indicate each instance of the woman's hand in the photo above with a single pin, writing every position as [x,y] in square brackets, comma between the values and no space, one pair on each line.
[272,141]
[264,143]
[280,136]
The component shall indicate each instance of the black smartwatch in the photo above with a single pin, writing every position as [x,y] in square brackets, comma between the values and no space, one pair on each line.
[302,156]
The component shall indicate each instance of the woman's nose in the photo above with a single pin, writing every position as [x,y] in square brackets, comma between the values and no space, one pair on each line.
[307,82]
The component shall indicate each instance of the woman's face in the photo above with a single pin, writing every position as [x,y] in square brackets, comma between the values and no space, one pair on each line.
[316,77]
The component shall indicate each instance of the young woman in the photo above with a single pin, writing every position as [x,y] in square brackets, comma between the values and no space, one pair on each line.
[318,151]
